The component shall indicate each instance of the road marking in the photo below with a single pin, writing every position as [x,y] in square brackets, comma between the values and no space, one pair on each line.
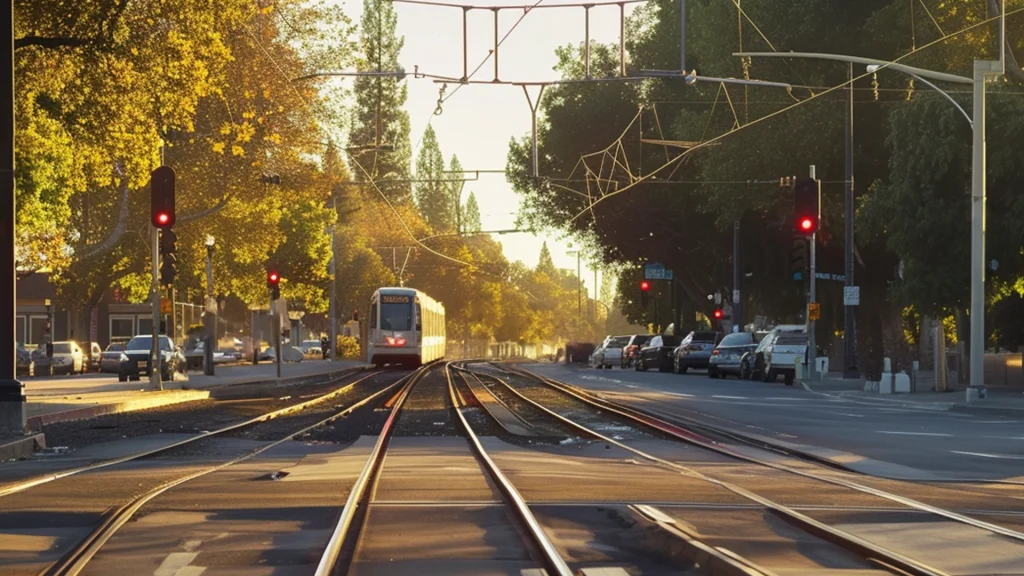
[984,455]
[913,433]
[731,397]
[177,564]
[631,386]
[679,394]
[843,414]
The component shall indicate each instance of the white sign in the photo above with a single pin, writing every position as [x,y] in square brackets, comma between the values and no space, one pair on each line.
[735,296]
[851,296]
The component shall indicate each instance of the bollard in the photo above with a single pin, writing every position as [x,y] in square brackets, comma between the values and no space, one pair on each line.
[12,406]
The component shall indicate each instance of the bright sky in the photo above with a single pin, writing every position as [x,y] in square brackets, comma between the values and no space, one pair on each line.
[478,122]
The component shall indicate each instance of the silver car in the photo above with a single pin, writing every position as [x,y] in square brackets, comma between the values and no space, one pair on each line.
[727,356]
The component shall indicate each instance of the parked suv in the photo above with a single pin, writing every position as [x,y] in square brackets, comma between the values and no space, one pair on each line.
[726,357]
[752,364]
[657,353]
[136,359]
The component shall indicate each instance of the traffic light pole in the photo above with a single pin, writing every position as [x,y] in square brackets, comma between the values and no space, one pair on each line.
[812,348]
[154,350]
[333,328]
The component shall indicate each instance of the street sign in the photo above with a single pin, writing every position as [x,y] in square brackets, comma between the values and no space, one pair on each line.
[813,311]
[827,276]
[851,296]
[165,306]
[735,296]
[656,271]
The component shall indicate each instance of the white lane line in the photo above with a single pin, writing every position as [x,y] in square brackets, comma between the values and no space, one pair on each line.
[843,414]
[913,433]
[984,455]
[679,394]
[175,563]
[630,386]
[731,397]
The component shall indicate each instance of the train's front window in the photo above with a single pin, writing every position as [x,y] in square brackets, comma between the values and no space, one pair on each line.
[396,313]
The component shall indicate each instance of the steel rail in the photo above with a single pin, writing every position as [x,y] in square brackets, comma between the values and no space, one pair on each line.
[77,559]
[552,560]
[368,476]
[681,433]
[20,486]
[856,544]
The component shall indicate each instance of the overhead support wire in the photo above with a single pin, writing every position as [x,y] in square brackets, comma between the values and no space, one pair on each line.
[533,123]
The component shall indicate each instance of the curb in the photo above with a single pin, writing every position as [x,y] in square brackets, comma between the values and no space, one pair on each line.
[22,447]
[285,380]
[36,423]
[993,410]
[248,388]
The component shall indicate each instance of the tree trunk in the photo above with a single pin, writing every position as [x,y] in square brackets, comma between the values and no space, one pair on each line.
[894,342]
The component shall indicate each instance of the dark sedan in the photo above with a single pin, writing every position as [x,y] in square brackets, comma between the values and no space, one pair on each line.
[725,359]
[694,351]
[137,352]
[657,354]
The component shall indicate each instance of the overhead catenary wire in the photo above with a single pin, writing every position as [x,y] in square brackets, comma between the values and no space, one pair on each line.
[643,178]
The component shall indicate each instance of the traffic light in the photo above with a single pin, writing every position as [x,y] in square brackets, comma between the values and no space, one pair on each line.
[355,315]
[798,257]
[273,283]
[161,197]
[718,314]
[168,256]
[805,207]
[645,287]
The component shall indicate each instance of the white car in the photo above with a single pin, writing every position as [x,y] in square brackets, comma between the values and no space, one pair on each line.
[610,352]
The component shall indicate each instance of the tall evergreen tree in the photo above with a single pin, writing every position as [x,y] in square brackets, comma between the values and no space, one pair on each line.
[454,193]
[545,264]
[379,106]
[431,189]
[471,215]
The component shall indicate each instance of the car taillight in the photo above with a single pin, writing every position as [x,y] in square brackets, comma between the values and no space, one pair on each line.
[715,353]
[392,341]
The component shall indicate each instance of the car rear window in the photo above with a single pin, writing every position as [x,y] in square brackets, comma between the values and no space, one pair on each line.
[62,348]
[670,340]
[115,348]
[738,339]
[704,336]
[791,338]
[640,339]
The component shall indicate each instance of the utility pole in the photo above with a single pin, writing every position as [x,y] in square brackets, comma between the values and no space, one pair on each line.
[812,347]
[737,278]
[849,312]
[12,392]
[154,296]
[579,286]
[333,315]
[209,317]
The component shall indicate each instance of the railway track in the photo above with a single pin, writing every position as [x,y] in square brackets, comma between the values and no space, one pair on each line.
[17,486]
[587,413]
[280,425]
[419,399]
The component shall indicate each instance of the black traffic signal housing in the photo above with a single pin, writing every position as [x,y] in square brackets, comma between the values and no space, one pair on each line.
[805,207]
[799,257]
[168,256]
[718,314]
[355,315]
[645,288]
[274,284]
[161,197]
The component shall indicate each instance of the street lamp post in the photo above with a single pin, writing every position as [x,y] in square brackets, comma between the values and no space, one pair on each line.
[983,70]
[209,318]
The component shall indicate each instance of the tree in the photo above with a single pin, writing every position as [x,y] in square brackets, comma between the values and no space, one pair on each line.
[471,216]
[454,186]
[545,265]
[431,189]
[378,116]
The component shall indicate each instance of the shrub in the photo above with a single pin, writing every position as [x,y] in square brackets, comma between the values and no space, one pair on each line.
[347,347]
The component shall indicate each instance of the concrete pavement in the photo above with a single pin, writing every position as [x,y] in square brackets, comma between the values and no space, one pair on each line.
[891,438]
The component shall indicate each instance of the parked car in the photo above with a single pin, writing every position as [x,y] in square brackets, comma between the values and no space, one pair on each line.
[172,360]
[752,363]
[40,361]
[68,358]
[632,348]
[595,357]
[783,353]
[92,357]
[694,351]
[578,352]
[112,358]
[726,357]
[311,348]
[657,354]
[610,353]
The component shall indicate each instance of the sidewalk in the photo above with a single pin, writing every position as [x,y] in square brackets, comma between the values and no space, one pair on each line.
[1001,400]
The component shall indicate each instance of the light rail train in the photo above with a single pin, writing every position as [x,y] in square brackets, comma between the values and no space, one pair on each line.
[406,327]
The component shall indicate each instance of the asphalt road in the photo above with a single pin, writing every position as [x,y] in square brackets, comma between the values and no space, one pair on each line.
[896,440]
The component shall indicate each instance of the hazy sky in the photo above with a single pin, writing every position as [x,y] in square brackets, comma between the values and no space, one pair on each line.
[478,122]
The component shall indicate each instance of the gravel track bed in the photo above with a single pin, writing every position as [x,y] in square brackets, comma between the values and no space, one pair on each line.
[482,423]
[427,409]
[541,421]
[184,418]
[608,424]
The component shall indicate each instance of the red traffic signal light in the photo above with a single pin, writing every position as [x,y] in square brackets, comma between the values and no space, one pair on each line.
[805,206]
[161,197]
[273,278]
[806,224]
[718,314]
[645,285]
